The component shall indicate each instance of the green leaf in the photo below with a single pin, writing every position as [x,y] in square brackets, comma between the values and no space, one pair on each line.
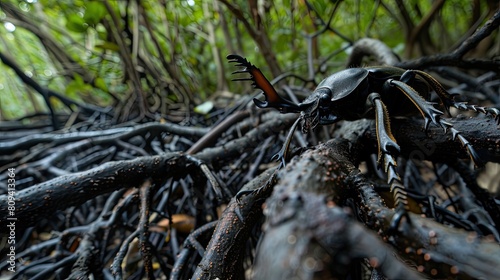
[77,86]
[94,12]
[76,23]
[72,89]
[108,46]
[100,84]
[78,79]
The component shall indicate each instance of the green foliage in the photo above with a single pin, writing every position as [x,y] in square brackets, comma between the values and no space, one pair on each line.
[94,12]
[75,23]
[89,49]
[76,86]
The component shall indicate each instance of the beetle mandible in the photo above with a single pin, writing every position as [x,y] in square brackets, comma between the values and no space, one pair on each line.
[368,92]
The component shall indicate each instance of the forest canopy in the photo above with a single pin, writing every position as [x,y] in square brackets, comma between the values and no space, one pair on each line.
[99,52]
[220,139]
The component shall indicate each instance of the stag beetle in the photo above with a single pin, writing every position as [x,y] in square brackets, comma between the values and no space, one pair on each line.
[366,92]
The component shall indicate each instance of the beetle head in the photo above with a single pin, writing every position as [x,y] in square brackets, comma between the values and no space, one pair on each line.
[318,109]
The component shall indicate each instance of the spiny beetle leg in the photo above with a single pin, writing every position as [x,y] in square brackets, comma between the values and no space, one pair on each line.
[425,107]
[474,156]
[400,197]
[387,149]
[397,218]
[433,115]
[447,98]
[386,142]
[494,112]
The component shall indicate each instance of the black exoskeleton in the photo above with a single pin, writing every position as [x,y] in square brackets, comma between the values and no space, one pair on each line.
[367,92]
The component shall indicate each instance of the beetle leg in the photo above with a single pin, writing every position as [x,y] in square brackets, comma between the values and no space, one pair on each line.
[387,150]
[282,155]
[433,115]
[387,143]
[447,98]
